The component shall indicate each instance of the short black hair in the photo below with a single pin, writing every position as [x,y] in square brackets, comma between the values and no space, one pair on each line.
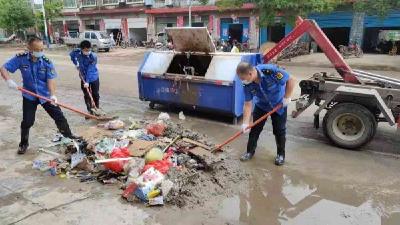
[34,39]
[85,44]
[243,68]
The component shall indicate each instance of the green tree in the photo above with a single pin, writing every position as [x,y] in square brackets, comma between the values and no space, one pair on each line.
[53,9]
[376,7]
[288,9]
[16,15]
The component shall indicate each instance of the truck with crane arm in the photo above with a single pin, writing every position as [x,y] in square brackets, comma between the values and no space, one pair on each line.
[355,102]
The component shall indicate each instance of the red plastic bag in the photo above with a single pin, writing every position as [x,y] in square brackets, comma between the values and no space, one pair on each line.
[156,129]
[118,153]
[160,165]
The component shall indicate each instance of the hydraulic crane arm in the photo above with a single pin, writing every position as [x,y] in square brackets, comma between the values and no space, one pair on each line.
[311,27]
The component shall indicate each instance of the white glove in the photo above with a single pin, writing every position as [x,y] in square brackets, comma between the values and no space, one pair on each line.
[54,99]
[286,102]
[86,85]
[11,84]
[244,126]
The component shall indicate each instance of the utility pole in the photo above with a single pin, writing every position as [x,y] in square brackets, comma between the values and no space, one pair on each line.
[190,13]
[45,26]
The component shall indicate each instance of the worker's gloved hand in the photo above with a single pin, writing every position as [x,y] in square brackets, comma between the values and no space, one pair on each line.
[286,101]
[244,126]
[86,85]
[11,84]
[54,99]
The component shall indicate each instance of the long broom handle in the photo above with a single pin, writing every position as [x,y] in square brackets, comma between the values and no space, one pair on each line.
[88,91]
[60,104]
[236,135]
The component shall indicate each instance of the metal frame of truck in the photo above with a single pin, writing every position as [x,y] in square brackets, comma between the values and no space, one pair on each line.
[355,102]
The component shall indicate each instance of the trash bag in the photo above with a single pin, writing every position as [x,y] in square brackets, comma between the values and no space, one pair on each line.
[164,116]
[153,155]
[118,153]
[156,129]
[160,165]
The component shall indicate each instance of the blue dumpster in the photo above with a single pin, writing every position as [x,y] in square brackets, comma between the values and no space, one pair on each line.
[194,75]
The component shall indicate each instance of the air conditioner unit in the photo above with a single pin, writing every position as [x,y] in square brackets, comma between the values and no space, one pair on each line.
[122,2]
[169,3]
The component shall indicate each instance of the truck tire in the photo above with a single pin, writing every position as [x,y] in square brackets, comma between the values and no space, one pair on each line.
[349,125]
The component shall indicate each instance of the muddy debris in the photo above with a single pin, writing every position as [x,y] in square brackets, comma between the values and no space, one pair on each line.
[186,173]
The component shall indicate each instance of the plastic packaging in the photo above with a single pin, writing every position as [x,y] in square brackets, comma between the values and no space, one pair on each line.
[156,129]
[118,153]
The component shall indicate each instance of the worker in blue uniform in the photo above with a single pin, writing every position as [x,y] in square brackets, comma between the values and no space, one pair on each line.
[86,63]
[267,86]
[38,75]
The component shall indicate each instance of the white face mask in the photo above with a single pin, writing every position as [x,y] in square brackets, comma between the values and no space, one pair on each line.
[246,82]
[86,53]
[38,54]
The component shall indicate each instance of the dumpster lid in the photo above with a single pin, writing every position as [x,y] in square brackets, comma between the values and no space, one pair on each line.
[191,39]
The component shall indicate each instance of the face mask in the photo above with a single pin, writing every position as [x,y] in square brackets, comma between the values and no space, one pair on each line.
[86,53]
[246,82]
[38,54]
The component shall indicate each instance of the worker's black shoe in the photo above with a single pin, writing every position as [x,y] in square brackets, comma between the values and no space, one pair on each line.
[22,149]
[279,160]
[246,156]
[72,136]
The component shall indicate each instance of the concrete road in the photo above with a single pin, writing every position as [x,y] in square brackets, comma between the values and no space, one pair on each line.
[319,184]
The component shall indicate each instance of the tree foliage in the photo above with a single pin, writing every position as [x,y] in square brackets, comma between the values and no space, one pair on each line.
[376,7]
[53,9]
[16,15]
[288,9]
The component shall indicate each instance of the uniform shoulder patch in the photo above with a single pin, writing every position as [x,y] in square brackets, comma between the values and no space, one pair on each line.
[279,75]
[21,54]
[46,59]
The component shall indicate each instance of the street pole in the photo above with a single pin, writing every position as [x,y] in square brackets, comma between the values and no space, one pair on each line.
[45,26]
[190,13]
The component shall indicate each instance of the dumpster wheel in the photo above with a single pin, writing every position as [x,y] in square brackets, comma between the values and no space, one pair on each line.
[349,125]
[152,105]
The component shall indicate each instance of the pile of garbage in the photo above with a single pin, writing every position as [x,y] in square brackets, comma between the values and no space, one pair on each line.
[154,162]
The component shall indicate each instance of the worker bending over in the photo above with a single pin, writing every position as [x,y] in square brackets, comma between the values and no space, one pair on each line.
[38,75]
[86,63]
[268,85]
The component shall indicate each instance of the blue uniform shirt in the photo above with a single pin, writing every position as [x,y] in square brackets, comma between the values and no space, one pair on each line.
[34,74]
[271,89]
[87,65]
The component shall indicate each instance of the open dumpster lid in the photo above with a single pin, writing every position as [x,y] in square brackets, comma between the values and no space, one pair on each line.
[191,39]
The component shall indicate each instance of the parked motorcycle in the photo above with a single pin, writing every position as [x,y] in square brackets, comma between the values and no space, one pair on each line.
[352,49]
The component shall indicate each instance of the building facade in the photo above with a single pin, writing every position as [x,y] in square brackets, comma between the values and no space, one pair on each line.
[143,19]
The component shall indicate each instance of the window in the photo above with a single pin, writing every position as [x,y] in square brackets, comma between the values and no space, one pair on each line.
[69,3]
[93,36]
[135,1]
[87,35]
[86,3]
[110,2]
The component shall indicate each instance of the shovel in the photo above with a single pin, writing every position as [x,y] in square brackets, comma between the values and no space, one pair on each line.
[95,110]
[65,106]
[236,135]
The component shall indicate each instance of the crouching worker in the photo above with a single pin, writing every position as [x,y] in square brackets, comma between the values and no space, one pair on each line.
[38,75]
[86,63]
[268,86]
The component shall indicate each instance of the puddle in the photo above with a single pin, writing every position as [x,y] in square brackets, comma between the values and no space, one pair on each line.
[334,213]
[294,193]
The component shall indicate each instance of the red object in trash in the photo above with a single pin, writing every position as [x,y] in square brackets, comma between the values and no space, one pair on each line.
[129,190]
[156,129]
[160,165]
[118,153]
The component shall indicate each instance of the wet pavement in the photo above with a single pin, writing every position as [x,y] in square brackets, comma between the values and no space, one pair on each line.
[319,184]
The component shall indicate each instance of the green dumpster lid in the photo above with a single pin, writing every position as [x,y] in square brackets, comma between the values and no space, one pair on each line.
[191,39]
